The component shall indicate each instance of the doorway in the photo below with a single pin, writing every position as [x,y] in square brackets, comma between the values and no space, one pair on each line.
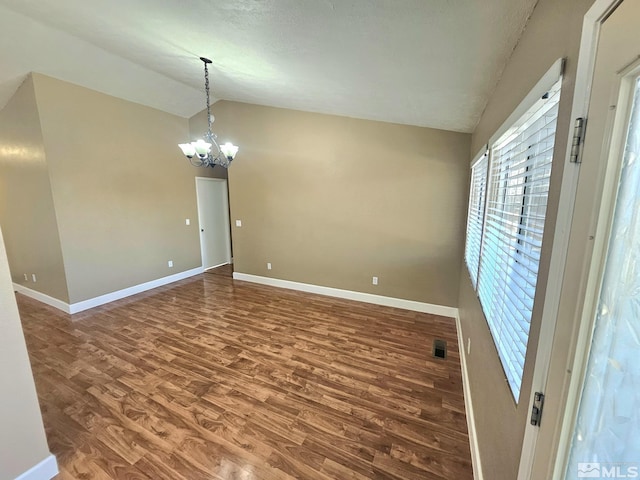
[213,220]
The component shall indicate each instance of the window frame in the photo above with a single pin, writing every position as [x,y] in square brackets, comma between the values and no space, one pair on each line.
[517,120]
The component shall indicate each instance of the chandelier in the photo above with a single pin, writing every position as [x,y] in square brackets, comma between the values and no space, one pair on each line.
[199,153]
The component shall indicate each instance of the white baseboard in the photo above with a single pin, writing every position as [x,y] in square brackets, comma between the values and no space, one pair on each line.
[41,297]
[107,298]
[45,470]
[127,292]
[468,404]
[215,266]
[351,295]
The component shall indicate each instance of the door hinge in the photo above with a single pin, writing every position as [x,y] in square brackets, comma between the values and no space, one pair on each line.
[578,137]
[536,410]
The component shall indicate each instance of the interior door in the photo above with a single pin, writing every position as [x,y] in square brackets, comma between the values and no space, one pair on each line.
[604,433]
[213,219]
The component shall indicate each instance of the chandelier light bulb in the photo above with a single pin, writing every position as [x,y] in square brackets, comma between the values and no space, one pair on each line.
[229,150]
[188,150]
[202,148]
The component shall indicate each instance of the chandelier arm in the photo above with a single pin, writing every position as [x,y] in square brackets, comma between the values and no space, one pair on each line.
[197,162]
[215,142]
[213,139]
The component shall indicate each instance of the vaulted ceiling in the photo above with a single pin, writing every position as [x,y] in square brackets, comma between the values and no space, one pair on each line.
[430,63]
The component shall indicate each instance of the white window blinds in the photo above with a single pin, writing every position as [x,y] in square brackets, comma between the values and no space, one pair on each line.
[475,217]
[518,186]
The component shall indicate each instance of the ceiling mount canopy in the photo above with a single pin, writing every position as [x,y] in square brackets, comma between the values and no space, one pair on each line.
[200,152]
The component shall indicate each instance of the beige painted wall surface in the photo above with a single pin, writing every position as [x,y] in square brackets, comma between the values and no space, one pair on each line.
[334,201]
[121,188]
[552,32]
[22,438]
[27,212]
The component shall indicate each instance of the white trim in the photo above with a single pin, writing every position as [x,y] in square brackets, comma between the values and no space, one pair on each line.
[468,405]
[41,297]
[127,292]
[559,251]
[108,297]
[350,295]
[476,158]
[45,470]
[216,266]
[544,84]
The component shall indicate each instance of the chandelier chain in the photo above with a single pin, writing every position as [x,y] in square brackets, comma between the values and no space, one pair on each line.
[206,87]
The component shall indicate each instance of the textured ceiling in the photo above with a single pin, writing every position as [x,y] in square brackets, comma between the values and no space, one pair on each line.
[420,62]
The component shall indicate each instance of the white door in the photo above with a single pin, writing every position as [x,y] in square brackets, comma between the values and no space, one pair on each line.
[213,217]
[603,434]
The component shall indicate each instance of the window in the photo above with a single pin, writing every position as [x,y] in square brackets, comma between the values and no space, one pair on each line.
[504,230]
[475,216]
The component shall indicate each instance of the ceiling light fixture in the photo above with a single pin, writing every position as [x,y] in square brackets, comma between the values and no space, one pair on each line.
[199,152]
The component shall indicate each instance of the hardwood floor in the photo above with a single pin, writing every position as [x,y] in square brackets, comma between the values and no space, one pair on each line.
[211,378]
[226,270]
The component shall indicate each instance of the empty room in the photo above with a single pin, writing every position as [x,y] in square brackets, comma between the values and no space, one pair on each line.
[359,239]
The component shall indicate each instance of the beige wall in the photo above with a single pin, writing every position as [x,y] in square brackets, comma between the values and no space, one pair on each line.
[122,189]
[333,201]
[22,438]
[27,212]
[553,31]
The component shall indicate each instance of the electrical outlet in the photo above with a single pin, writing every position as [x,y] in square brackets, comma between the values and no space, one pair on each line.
[187,221]
[170,263]
[469,346]
[238,223]
[33,277]
[268,266]
[26,277]
[374,280]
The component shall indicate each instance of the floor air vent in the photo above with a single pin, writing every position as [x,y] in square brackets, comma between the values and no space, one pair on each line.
[440,348]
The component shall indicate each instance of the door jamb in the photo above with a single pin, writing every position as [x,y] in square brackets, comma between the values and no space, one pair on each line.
[592,276]
[584,77]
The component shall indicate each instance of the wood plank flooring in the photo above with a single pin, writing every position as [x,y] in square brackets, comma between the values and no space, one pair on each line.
[225,270]
[211,378]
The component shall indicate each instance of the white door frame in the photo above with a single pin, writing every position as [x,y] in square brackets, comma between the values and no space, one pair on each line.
[592,274]
[582,90]
[227,218]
